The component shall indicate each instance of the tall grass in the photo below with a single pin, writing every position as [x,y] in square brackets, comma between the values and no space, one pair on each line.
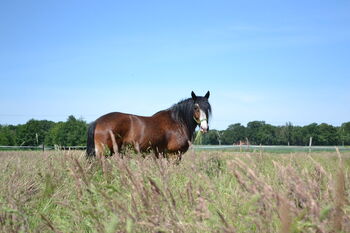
[206,192]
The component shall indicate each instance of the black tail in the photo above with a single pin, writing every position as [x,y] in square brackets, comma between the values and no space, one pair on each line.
[90,146]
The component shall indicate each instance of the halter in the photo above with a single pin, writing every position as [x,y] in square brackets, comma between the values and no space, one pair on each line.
[199,121]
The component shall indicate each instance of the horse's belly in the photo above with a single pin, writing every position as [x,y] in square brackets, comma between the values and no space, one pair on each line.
[177,145]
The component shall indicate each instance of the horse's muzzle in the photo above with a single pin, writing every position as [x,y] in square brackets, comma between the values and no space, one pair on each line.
[203,130]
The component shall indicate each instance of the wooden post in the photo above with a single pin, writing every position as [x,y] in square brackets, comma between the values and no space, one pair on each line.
[247,143]
[260,150]
[219,137]
[310,144]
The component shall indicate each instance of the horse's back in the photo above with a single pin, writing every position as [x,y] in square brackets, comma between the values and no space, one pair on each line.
[126,128]
[114,121]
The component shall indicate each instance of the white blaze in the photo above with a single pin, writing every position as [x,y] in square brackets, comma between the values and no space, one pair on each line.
[204,121]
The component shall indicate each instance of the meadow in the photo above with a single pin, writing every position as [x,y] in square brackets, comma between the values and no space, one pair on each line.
[209,191]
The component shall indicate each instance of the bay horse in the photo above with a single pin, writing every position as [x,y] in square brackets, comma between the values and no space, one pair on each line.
[166,132]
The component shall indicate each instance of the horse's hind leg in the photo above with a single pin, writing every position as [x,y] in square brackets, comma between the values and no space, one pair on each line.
[179,158]
[99,149]
[157,153]
[115,145]
[174,157]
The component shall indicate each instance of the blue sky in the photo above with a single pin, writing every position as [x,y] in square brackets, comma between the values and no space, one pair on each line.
[275,61]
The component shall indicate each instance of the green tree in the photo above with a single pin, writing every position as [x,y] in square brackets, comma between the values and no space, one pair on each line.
[311,130]
[7,135]
[55,135]
[297,137]
[267,135]
[253,128]
[69,133]
[261,133]
[211,138]
[328,135]
[287,131]
[344,133]
[33,133]
[233,134]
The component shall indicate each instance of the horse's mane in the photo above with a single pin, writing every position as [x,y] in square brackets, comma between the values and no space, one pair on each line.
[183,112]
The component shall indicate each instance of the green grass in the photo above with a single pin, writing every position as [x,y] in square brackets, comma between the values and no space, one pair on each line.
[215,191]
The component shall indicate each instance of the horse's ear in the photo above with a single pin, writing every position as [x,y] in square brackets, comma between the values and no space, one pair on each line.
[194,97]
[207,95]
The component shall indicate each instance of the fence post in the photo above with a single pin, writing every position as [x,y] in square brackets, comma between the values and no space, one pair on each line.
[260,150]
[247,143]
[310,144]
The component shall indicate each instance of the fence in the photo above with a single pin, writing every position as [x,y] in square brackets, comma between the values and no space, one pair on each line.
[242,148]
[237,148]
[42,147]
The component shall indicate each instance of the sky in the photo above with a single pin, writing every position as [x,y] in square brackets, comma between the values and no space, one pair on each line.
[275,61]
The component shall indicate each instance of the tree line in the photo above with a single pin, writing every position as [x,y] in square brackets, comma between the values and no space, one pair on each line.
[259,132]
[73,132]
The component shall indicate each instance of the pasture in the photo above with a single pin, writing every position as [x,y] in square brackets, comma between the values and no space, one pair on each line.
[209,191]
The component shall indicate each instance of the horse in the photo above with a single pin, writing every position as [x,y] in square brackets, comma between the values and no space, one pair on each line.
[168,131]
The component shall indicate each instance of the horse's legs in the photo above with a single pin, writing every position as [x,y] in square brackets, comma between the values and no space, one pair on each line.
[179,158]
[156,152]
[120,151]
[99,149]
[114,144]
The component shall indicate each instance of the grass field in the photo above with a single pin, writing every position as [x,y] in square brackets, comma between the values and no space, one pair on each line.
[209,191]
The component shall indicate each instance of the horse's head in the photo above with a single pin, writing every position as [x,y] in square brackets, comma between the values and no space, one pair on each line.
[201,111]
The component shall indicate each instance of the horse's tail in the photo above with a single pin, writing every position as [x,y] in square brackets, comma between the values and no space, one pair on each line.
[90,145]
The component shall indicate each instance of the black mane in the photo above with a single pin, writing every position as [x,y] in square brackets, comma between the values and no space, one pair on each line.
[183,112]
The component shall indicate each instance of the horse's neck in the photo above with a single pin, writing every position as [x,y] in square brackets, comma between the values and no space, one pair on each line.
[191,132]
[188,130]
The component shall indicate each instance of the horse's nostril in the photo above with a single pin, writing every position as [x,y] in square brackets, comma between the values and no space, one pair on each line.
[203,130]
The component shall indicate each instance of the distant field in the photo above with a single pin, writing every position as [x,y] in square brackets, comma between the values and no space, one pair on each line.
[209,191]
[272,149]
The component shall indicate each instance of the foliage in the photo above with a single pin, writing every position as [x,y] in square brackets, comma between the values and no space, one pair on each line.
[259,132]
[69,133]
[7,135]
[39,132]
[344,132]
[328,135]
[234,134]
[33,133]
[211,138]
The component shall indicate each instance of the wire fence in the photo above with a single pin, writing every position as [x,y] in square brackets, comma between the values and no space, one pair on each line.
[236,148]
[268,148]
[44,148]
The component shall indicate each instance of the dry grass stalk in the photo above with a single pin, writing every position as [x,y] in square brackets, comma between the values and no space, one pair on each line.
[269,196]
[339,194]
[189,192]
[285,215]
[202,211]
[227,228]
[49,224]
